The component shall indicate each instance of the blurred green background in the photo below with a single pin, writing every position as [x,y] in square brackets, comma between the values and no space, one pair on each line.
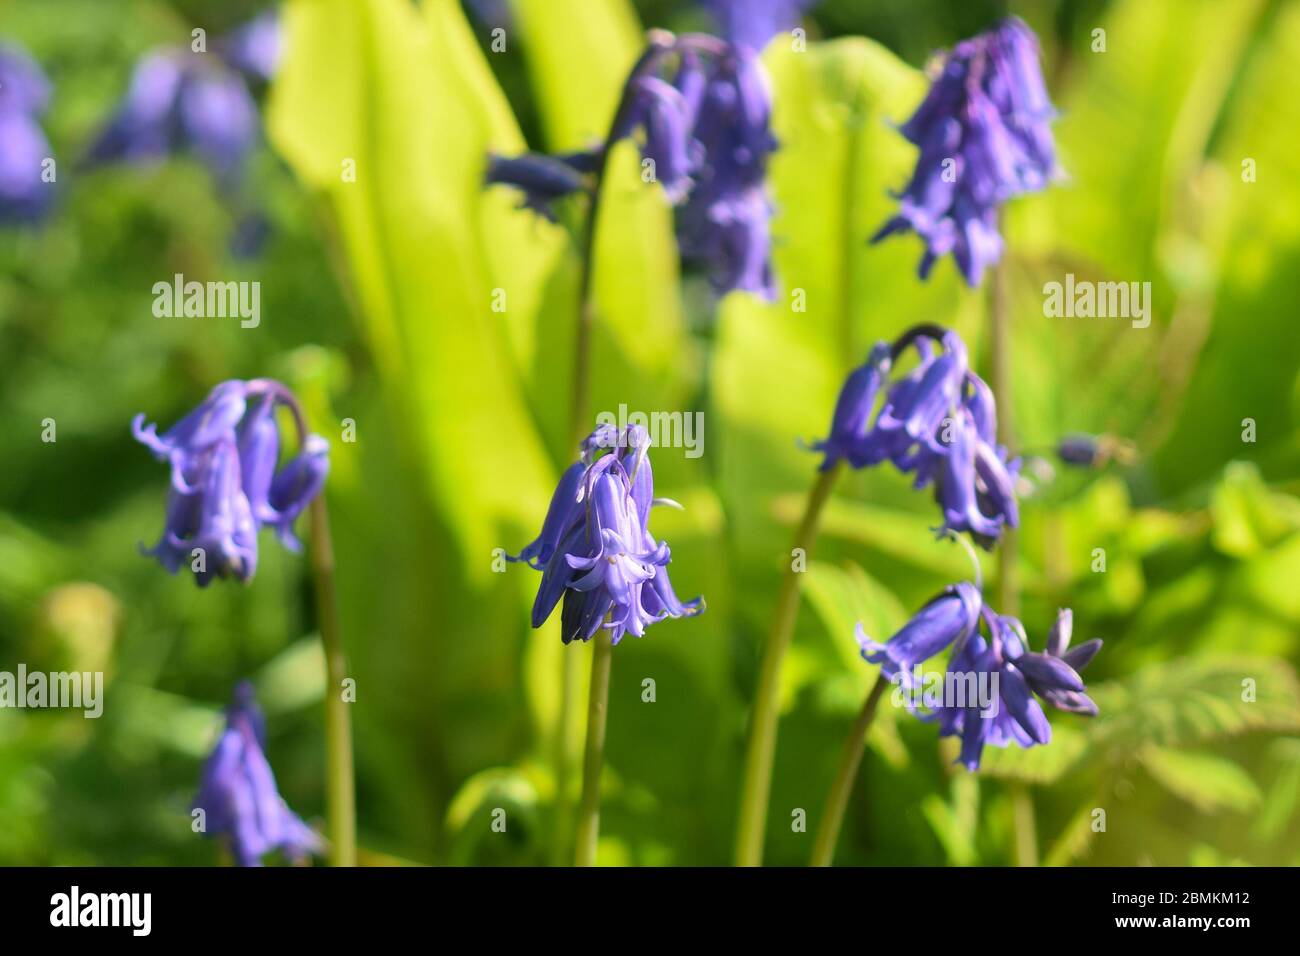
[376,306]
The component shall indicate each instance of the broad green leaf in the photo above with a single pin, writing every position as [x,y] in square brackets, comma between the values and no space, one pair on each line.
[521,247]
[578,55]
[372,85]
[1208,782]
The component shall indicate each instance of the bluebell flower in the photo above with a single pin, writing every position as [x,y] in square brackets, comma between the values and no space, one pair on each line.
[991,679]
[596,552]
[945,621]
[542,180]
[238,795]
[1054,674]
[851,422]
[227,481]
[984,137]
[24,95]
[700,111]
[1095,451]
[938,423]
[752,23]
[179,101]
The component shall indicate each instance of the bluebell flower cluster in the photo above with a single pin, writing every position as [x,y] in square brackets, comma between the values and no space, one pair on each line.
[984,137]
[993,683]
[700,110]
[227,481]
[238,795]
[938,423]
[24,96]
[595,550]
[180,101]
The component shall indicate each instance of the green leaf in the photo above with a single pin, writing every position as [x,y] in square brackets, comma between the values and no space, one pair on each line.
[844,596]
[1248,516]
[1173,704]
[898,535]
[639,334]
[1282,800]
[1206,781]
[372,85]
[1042,764]
[1180,703]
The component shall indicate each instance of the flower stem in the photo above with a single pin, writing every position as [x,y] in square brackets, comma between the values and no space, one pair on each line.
[579,428]
[594,757]
[837,801]
[756,785]
[659,43]
[340,793]
[1026,830]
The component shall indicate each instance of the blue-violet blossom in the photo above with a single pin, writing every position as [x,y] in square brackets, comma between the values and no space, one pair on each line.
[990,683]
[595,550]
[238,795]
[24,95]
[984,136]
[227,481]
[700,110]
[938,422]
[181,101]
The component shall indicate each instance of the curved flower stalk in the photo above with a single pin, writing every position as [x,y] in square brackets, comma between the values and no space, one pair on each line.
[991,692]
[238,795]
[597,555]
[699,108]
[936,422]
[227,482]
[24,96]
[984,137]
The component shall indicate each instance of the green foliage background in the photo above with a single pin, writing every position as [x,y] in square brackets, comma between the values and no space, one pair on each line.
[376,307]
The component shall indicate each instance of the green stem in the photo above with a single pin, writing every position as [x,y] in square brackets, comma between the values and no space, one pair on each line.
[593,758]
[659,43]
[340,794]
[1026,829]
[837,801]
[562,753]
[756,785]
[579,428]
